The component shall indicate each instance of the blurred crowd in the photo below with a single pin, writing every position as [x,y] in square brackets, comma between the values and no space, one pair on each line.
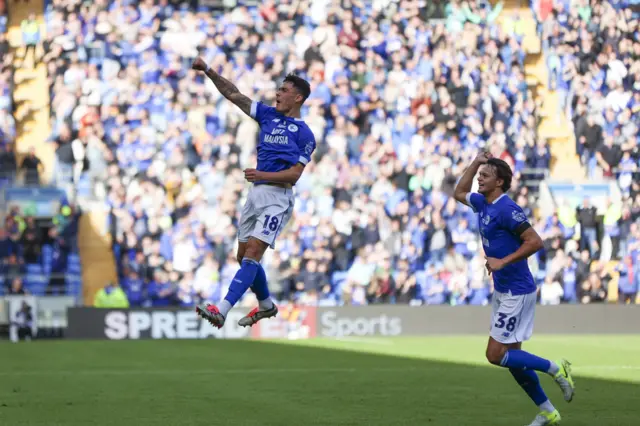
[592,50]
[399,107]
[39,256]
[7,122]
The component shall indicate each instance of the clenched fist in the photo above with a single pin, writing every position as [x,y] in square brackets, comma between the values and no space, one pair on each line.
[483,157]
[199,64]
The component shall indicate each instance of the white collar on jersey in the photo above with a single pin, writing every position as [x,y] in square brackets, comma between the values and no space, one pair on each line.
[496,200]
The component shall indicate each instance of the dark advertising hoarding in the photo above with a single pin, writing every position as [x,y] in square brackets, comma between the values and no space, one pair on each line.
[302,322]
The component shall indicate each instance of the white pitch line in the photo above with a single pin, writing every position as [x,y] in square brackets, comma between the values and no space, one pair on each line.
[202,372]
[171,372]
[364,340]
[606,367]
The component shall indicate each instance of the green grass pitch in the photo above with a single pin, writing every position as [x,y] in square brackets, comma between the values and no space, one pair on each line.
[367,381]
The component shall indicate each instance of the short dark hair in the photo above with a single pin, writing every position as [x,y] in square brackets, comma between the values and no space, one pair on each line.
[302,85]
[503,171]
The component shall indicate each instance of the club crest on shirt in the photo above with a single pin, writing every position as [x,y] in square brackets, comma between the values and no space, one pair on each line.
[486,219]
[292,128]
[518,216]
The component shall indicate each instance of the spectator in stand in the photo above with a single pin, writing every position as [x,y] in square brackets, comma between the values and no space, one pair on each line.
[593,289]
[7,122]
[60,251]
[383,285]
[13,268]
[588,136]
[111,296]
[31,242]
[583,267]
[30,36]
[569,278]
[3,17]
[588,227]
[627,281]
[17,288]
[135,289]
[63,174]
[8,165]
[551,291]
[38,254]
[591,51]
[32,167]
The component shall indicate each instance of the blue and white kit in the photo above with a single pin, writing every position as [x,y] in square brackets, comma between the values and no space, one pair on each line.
[514,298]
[283,142]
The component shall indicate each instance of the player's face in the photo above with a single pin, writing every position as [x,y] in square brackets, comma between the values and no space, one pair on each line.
[287,97]
[487,180]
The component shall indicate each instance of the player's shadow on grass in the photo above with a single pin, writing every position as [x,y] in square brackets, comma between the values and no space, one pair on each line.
[358,388]
[226,382]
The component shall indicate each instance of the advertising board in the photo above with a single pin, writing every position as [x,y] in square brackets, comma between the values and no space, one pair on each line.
[181,323]
[302,322]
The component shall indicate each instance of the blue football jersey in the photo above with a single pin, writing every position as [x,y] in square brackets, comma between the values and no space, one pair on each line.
[498,223]
[283,142]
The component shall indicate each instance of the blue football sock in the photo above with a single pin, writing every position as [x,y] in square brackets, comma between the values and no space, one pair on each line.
[260,287]
[521,360]
[530,383]
[242,281]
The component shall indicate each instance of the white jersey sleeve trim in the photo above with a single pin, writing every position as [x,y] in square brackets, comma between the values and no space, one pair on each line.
[303,160]
[254,109]
[468,197]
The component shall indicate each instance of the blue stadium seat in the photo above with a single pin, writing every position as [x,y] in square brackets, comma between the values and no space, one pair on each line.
[36,284]
[73,285]
[73,265]
[34,268]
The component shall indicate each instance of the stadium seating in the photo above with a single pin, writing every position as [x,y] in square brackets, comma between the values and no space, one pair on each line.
[55,270]
[50,265]
[399,106]
[7,122]
[596,81]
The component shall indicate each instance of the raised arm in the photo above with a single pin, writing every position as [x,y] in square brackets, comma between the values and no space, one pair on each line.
[466,181]
[226,88]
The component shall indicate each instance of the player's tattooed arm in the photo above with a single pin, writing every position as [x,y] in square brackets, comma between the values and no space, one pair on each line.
[226,88]
[466,181]
[230,91]
[290,175]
